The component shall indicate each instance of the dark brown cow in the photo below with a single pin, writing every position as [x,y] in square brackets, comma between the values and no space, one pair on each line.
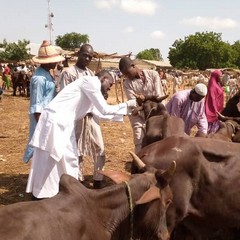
[21,83]
[162,126]
[232,108]
[115,212]
[205,185]
[229,129]
[230,116]
[158,122]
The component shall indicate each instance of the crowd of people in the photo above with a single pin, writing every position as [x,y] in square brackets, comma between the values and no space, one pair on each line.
[66,110]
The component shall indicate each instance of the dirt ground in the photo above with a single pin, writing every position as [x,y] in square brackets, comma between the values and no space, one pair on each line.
[14,126]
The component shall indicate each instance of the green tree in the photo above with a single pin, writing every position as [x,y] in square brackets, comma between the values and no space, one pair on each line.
[71,40]
[236,49]
[15,51]
[150,54]
[201,51]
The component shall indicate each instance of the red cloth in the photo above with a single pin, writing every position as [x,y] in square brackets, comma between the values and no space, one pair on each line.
[6,70]
[215,97]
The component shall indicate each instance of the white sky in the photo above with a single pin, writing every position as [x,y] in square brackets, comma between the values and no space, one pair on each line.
[121,26]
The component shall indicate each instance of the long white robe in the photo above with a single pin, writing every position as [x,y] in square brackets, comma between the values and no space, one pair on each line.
[54,137]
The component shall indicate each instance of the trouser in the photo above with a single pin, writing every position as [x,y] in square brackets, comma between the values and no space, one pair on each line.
[90,143]
[213,126]
[99,162]
[45,172]
[138,127]
[7,82]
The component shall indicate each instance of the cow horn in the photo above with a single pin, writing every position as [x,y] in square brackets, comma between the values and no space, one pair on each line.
[137,160]
[222,117]
[160,99]
[225,118]
[167,175]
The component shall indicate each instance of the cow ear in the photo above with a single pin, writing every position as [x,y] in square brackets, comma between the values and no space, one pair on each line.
[151,194]
[168,174]
[115,176]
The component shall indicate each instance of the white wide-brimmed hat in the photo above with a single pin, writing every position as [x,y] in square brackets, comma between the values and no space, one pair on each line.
[201,89]
[47,54]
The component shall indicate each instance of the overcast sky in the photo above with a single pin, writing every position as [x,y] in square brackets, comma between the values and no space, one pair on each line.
[121,26]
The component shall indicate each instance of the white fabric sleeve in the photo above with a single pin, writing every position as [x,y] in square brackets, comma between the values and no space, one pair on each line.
[91,87]
[115,118]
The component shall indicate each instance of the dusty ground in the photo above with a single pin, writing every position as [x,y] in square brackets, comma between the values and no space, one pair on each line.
[14,125]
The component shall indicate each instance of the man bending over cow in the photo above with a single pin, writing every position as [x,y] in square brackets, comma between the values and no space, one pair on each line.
[189,105]
[54,139]
[141,82]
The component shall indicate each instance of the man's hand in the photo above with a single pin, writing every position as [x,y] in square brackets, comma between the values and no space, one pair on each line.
[37,116]
[140,98]
[131,103]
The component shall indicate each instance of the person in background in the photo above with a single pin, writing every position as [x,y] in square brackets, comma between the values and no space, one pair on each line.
[57,72]
[177,81]
[189,105]
[22,68]
[42,88]
[225,78]
[140,82]
[54,139]
[165,80]
[214,100]
[6,78]
[88,131]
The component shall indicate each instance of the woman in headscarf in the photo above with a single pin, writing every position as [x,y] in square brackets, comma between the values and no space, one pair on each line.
[214,100]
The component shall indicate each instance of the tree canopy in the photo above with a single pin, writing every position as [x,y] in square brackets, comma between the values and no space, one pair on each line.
[150,54]
[236,49]
[71,40]
[201,51]
[14,51]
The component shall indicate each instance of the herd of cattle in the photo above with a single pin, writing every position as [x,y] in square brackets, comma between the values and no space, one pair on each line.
[180,188]
[188,79]
[205,185]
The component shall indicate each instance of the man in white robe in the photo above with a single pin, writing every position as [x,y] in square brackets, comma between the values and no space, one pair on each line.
[54,138]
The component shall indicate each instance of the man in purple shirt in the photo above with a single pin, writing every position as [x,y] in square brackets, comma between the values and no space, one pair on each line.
[189,105]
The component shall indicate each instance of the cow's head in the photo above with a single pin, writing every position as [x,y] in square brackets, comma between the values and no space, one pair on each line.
[150,106]
[154,212]
[233,123]
[224,118]
[232,108]
[149,197]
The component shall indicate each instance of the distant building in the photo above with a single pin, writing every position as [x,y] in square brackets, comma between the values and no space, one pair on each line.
[97,64]
[151,64]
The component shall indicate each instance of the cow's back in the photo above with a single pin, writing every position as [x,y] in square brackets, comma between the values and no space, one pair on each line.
[205,185]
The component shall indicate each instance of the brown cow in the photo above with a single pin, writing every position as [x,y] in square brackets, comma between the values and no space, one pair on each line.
[232,108]
[158,122]
[205,185]
[229,129]
[115,212]
[162,126]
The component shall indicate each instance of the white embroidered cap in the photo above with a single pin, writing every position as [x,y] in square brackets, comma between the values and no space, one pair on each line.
[201,89]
